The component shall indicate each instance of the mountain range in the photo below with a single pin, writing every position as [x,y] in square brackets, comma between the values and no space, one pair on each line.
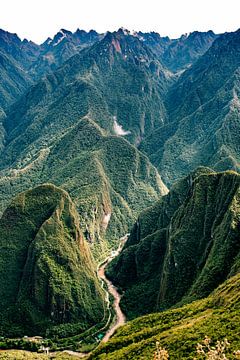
[102,135]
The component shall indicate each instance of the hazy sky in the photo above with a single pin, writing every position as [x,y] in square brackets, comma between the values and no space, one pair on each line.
[36,20]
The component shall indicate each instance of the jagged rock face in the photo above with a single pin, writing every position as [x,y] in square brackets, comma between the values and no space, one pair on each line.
[184,246]
[47,273]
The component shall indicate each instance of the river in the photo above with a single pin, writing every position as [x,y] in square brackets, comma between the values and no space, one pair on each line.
[120,318]
[111,289]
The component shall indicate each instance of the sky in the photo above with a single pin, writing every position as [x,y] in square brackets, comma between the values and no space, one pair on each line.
[37,20]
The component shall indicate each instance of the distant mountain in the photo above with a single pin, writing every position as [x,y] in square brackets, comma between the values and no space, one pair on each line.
[179,330]
[183,247]
[47,273]
[54,52]
[24,62]
[177,54]
[15,56]
[203,113]
[183,52]
[118,81]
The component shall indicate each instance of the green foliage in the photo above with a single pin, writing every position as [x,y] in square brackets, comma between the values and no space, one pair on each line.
[103,174]
[47,273]
[183,247]
[179,330]
[203,108]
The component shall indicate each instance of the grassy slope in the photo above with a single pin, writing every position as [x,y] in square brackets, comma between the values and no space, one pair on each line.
[179,330]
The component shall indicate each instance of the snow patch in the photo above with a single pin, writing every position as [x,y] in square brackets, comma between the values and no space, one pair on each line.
[61,38]
[118,129]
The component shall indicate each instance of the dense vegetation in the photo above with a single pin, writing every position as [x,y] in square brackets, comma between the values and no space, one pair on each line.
[183,247]
[179,330]
[203,111]
[46,269]
[109,180]
[84,111]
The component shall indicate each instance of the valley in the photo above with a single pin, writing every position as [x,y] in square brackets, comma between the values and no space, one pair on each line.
[119,193]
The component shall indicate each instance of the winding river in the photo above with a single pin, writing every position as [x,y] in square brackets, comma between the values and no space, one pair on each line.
[120,318]
[111,289]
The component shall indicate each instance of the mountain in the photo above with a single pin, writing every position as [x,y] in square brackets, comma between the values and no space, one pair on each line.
[47,273]
[183,52]
[117,82]
[180,330]
[203,113]
[24,62]
[15,56]
[178,54]
[183,247]
[109,179]
[54,52]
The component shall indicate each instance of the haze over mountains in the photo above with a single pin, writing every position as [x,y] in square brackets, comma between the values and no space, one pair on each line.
[106,134]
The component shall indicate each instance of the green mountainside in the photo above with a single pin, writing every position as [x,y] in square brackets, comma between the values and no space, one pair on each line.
[24,62]
[178,54]
[183,247]
[180,330]
[94,117]
[109,179]
[117,82]
[203,113]
[14,81]
[69,130]
[47,272]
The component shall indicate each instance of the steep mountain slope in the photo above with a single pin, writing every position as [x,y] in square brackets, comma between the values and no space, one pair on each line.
[14,81]
[15,57]
[203,108]
[24,62]
[47,273]
[183,52]
[109,179]
[54,52]
[183,247]
[117,81]
[180,330]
